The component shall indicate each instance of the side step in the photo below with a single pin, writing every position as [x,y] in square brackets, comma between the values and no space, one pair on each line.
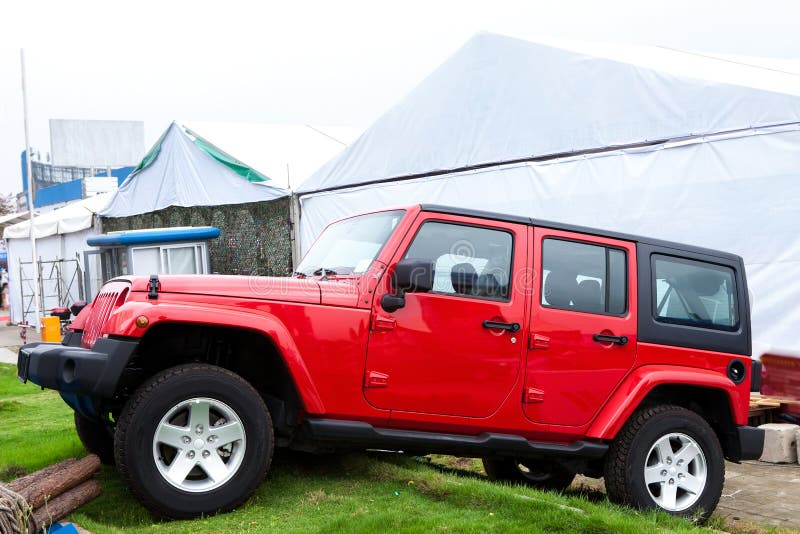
[360,434]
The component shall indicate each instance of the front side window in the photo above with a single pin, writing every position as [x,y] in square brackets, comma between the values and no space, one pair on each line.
[349,246]
[694,293]
[468,260]
[583,277]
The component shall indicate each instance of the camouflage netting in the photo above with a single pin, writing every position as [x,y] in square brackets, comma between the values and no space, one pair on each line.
[254,237]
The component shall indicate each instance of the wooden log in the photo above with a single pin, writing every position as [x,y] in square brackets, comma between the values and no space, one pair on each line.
[60,507]
[24,481]
[59,481]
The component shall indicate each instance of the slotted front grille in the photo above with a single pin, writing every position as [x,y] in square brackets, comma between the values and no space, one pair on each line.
[111,295]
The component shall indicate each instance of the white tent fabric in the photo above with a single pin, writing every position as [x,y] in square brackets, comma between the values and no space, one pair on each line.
[729,178]
[60,234]
[286,153]
[737,194]
[71,218]
[500,99]
[53,247]
[183,174]
[14,218]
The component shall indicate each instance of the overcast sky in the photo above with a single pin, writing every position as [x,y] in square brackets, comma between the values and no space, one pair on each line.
[331,63]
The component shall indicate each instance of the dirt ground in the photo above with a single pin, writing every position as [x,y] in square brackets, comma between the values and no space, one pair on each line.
[766,494]
[755,494]
[10,340]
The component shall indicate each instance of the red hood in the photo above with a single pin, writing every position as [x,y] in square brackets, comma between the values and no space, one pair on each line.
[304,290]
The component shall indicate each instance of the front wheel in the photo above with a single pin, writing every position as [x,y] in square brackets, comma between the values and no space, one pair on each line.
[96,438]
[194,439]
[666,457]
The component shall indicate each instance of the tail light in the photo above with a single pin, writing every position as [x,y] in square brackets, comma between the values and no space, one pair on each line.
[111,296]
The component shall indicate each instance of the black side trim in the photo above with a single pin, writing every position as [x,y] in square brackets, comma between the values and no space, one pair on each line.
[357,433]
[748,444]
[755,376]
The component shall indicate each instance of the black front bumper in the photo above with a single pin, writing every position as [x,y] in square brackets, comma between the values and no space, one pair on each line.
[94,372]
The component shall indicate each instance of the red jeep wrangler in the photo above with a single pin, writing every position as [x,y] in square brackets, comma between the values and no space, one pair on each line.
[545,349]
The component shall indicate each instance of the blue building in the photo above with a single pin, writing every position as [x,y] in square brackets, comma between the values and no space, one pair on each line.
[54,185]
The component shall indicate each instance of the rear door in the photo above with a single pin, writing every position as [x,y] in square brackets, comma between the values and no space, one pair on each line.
[583,325]
[458,349]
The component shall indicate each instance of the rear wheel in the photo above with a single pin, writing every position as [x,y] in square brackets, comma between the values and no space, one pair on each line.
[666,457]
[194,439]
[97,438]
[541,474]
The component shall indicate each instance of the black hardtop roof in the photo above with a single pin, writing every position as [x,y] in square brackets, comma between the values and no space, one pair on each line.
[579,229]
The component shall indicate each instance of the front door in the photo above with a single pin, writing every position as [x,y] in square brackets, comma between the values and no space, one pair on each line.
[583,325]
[458,349]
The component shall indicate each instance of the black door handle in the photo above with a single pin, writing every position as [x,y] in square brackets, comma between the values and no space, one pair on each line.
[602,338]
[511,327]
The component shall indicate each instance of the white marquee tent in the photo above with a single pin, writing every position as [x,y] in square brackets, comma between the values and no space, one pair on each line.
[188,166]
[225,163]
[286,153]
[651,141]
[184,170]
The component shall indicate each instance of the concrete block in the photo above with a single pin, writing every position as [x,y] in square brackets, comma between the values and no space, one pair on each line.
[780,443]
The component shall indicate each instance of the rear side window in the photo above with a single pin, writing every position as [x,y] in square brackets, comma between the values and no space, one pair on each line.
[583,277]
[694,293]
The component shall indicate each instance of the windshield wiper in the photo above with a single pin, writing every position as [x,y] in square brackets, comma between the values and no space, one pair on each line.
[324,272]
[299,274]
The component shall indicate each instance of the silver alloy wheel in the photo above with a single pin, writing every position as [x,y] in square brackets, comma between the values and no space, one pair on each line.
[675,472]
[199,444]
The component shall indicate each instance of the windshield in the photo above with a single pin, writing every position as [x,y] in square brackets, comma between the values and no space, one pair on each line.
[350,246]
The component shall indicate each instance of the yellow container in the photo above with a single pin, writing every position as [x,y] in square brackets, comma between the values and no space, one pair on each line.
[51,329]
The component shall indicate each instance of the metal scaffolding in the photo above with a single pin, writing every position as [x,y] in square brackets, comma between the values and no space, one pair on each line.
[60,284]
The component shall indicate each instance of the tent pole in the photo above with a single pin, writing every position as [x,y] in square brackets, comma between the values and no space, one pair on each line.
[37,311]
[294,229]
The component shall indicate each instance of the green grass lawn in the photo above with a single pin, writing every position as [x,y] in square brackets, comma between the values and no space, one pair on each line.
[339,493]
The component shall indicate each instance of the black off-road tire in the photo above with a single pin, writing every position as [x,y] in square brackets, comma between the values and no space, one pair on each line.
[150,403]
[97,438]
[542,474]
[625,462]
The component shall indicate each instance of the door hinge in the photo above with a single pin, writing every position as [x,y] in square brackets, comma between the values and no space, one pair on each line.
[533,395]
[383,324]
[538,341]
[376,380]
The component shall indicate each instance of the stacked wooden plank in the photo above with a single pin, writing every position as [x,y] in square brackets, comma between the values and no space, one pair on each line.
[56,491]
[758,400]
[764,409]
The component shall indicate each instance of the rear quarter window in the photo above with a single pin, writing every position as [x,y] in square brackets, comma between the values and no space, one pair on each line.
[694,293]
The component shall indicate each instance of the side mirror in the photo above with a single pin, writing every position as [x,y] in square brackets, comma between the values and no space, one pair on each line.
[409,276]
[77,307]
[413,276]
